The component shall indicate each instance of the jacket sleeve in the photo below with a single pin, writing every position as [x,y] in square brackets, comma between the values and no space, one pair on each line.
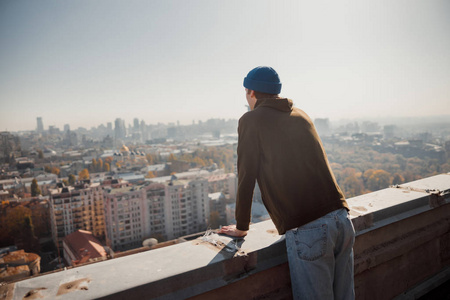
[247,165]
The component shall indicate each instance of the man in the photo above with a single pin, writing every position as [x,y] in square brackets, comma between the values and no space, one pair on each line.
[279,147]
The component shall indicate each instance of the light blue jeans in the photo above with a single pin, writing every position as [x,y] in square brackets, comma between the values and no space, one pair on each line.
[320,256]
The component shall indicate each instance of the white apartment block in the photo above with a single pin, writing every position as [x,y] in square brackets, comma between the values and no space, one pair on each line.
[130,215]
[78,207]
[187,207]
[160,210]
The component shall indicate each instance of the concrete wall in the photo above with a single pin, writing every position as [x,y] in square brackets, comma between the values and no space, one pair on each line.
[402,250]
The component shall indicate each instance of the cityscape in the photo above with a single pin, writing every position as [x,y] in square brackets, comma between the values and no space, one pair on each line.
[120,188]
[119,137]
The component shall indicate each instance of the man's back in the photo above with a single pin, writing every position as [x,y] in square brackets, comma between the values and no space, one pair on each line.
[279,147]
[291,167]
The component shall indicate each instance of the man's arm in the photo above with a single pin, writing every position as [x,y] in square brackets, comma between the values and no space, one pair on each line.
[248,167]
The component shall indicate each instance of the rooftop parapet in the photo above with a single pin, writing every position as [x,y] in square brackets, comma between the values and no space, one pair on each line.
[402,250]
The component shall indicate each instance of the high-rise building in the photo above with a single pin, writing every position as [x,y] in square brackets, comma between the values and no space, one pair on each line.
[78,207]
[40,125]
[187,207]
[119,131]
[136,124]
[322,126]
[163,211]
[133,214]
[109,128]
[8,145]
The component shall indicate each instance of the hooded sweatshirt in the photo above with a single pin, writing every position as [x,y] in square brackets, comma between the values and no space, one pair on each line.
[279,148]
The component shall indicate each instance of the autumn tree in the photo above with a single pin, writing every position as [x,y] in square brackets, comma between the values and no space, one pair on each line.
[94,165]
[378,180]
[171,158]
[150,175]
[35,190]
[398,179]
[84,174]
[353,186]
[108,160]
[150,158]
[15,219]
[55,170]
[106,167]
[99,165]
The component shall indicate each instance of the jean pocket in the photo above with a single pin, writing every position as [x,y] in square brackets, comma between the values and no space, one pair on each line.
[311,243]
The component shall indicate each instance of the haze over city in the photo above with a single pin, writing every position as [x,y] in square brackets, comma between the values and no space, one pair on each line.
[85,63]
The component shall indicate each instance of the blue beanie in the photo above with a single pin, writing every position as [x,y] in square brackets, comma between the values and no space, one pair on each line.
[264,80]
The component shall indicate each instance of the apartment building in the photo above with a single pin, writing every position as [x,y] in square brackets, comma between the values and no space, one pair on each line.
[187,206]
[77,207]
[127,216]
[160,210]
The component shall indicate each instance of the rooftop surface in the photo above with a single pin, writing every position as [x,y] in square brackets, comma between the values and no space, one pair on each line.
[211,262]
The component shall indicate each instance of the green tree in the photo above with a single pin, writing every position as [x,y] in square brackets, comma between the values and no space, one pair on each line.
[72,179]
[214,219]
[29,240]
[35,190]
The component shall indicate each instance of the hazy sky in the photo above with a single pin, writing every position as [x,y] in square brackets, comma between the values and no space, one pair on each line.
[84,62]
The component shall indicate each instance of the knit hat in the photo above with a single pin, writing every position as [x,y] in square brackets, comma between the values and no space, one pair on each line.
[264,80]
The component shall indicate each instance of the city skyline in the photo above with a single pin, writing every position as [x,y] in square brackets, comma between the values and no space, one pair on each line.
[131,124]
[87,63]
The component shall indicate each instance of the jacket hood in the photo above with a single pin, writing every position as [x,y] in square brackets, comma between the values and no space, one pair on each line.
[282,104]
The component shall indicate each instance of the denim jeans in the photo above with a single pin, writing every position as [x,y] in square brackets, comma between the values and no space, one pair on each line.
[320,256]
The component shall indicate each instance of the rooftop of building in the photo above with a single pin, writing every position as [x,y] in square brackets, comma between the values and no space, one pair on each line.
[401,250]
[83,244]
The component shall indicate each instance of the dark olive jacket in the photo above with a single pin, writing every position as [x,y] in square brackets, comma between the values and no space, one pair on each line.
[279,147]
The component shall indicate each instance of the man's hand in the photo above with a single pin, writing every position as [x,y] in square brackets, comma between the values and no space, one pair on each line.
[232,231]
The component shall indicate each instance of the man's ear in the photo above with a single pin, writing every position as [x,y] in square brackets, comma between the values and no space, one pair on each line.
[252,93]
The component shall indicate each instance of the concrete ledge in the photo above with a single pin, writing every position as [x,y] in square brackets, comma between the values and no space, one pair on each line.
[403,239]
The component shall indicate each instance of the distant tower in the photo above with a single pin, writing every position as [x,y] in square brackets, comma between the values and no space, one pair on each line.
[40,125]
[119,130]
[136,124]
[66,127]
[322,126]
[110,128]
